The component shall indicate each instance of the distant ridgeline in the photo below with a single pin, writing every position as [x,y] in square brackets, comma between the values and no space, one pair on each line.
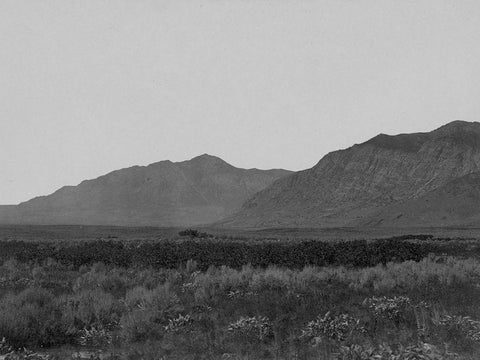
[202,190]
[415,180]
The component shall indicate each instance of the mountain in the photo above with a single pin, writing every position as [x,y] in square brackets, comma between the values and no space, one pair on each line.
[456,203]
[201,190]
[384,181]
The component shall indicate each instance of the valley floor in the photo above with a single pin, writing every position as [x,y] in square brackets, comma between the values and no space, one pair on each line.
[416,299]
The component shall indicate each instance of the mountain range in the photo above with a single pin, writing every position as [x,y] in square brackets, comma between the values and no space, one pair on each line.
[406,180]
[201,190]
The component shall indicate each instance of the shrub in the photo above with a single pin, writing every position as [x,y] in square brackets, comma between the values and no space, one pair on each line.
[98,277]
[385,352]
[148,312]
[338,328]
[90,308]
[139,325]
[31,318]
[5,348]
[180,324]
[95,336]
[251,329]
[392,308]
[467,326]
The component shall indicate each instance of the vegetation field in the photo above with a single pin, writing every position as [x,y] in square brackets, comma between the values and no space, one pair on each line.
[210,296]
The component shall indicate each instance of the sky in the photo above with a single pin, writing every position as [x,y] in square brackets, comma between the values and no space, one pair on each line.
[88,87]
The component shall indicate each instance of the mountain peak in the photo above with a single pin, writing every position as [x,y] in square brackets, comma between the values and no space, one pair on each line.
[460,132]
[463,131]
[459,126]
[404,142]
[207,159]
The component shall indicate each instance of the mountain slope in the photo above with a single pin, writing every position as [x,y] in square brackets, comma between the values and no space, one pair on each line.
[201,190]
[456,203]
[349,186]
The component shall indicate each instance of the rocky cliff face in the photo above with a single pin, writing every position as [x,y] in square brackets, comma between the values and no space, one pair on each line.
[201,190]
[353,186]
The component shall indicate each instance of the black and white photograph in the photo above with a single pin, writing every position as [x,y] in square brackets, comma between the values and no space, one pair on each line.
[239,179]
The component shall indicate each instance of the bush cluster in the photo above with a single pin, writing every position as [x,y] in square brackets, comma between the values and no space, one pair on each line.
[172,254]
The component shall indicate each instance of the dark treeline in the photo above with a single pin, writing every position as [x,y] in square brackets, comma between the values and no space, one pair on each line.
[207,252]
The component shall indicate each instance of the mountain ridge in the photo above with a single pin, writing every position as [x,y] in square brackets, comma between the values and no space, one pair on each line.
[348,186]
[418,179]
[200,190]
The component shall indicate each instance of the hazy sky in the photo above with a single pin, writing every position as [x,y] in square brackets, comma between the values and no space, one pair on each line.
[87,87]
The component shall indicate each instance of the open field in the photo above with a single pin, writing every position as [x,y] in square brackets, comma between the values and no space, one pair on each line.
[159,297]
